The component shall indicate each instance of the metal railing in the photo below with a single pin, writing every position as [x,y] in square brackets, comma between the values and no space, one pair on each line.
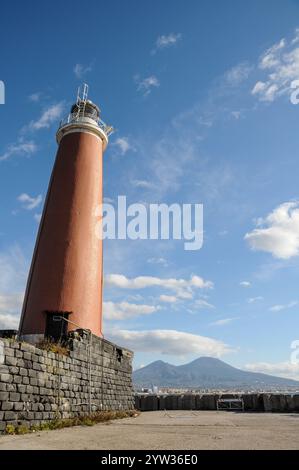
[230,404]
[75,117]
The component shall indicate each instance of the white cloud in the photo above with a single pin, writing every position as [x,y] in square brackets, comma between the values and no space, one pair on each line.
[35,97]
[172,342]
[162,155]
[160,260]
[20,147]
[108,200]
[123,145]
[252,300]
[11,303]
[278,233]
[236,114]
[296,36]
[123,310]
[8,321]
[245,284]
[238,74]
[13,273]
[182,287]
[172,158]
[279,308]
[167,40]
[145,85]
[29,202]
[170,299]
[37,217]
[142,184]
[281,64]
[134,298]
[280,369]
[186,294]
[49,116]
[259,87]
[200,283]
[268,93]
[201,303]
[28,147]
[81,70]
[224,321]
[272,56]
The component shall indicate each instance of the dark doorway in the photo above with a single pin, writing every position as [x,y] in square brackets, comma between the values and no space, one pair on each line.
[56,326]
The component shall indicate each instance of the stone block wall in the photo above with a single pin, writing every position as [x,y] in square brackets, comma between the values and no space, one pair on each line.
[38,385]
[263,402]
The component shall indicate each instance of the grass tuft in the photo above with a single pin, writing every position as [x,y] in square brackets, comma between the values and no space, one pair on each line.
[87,420]
[52,346]
[10,429]
[22,429]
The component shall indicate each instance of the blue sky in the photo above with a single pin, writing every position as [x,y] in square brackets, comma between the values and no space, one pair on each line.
[200,98]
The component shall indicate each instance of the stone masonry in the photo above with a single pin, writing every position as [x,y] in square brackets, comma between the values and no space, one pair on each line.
[38,385]
[257,402]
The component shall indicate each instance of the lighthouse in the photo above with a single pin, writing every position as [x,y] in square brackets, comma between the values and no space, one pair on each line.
[66,275]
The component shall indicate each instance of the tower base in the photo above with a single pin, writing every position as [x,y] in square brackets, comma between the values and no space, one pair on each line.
[90,375]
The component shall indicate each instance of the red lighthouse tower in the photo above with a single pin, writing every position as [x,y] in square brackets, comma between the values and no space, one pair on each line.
[66,273]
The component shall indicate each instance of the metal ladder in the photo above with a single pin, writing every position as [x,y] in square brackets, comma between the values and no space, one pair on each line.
[81,99]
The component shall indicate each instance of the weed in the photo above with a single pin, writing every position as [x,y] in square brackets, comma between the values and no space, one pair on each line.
[58,348]
[85,420]
[22,429]
[10,429]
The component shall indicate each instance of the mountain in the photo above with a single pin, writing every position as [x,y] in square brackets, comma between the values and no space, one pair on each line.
[205,372]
